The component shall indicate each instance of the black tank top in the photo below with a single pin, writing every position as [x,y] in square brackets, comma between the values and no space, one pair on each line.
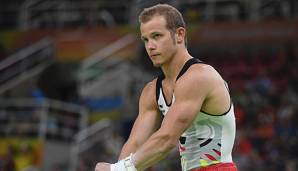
[185,67]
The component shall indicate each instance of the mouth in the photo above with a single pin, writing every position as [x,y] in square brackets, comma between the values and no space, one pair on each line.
[154,55]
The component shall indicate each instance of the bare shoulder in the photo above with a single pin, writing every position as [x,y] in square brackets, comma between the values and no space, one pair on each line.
[201,73]
[149,89]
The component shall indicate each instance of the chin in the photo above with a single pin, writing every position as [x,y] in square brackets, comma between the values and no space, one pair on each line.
[157,65]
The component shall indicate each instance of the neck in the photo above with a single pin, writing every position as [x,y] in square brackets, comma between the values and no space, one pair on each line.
[173,67]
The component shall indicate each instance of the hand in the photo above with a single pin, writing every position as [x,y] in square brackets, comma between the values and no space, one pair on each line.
[103,166]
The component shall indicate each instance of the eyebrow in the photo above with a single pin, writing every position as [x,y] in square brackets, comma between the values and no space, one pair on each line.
[151,34]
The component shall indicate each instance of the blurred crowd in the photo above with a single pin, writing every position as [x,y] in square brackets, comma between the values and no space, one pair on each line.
[266,113]
[264,88]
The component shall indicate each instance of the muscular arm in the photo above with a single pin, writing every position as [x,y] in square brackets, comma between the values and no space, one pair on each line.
[190,92]
[147,122]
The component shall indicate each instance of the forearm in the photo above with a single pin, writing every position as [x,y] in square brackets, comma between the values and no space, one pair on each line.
[128,148]
[155,149]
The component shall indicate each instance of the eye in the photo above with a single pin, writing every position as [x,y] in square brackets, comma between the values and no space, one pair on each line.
[156,36]
[145,40]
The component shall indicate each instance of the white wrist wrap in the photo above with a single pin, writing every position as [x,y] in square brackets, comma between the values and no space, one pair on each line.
[124,165]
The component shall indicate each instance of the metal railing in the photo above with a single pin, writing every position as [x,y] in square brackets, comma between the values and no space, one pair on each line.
[99,68]
[87,139]
[46,119]
[54,123]
[25,63]
[60,13]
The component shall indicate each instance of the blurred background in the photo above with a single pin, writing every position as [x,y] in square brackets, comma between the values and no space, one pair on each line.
[71,72]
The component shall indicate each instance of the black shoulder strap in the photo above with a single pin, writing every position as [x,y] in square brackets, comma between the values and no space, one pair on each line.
[158,86]
[187,65]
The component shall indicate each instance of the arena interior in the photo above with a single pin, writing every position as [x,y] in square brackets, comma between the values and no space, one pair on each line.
[71,73]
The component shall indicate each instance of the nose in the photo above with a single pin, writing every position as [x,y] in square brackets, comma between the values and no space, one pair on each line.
[151,45]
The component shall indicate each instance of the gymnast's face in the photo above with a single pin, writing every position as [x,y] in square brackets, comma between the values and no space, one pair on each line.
[159,42]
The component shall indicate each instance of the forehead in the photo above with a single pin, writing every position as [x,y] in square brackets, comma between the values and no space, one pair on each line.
[156,24]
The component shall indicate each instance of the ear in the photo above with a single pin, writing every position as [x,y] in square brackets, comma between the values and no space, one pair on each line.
[180,35]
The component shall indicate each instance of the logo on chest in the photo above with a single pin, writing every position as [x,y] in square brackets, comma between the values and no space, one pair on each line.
[163,109]
[162,105]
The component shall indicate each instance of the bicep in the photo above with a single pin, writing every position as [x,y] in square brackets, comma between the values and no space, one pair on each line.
[190,93]
[149,119]
[179,118]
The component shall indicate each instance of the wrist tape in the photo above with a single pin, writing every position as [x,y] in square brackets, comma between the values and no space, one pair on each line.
[124,165]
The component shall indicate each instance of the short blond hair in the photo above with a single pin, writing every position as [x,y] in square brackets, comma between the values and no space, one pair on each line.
[172,16]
